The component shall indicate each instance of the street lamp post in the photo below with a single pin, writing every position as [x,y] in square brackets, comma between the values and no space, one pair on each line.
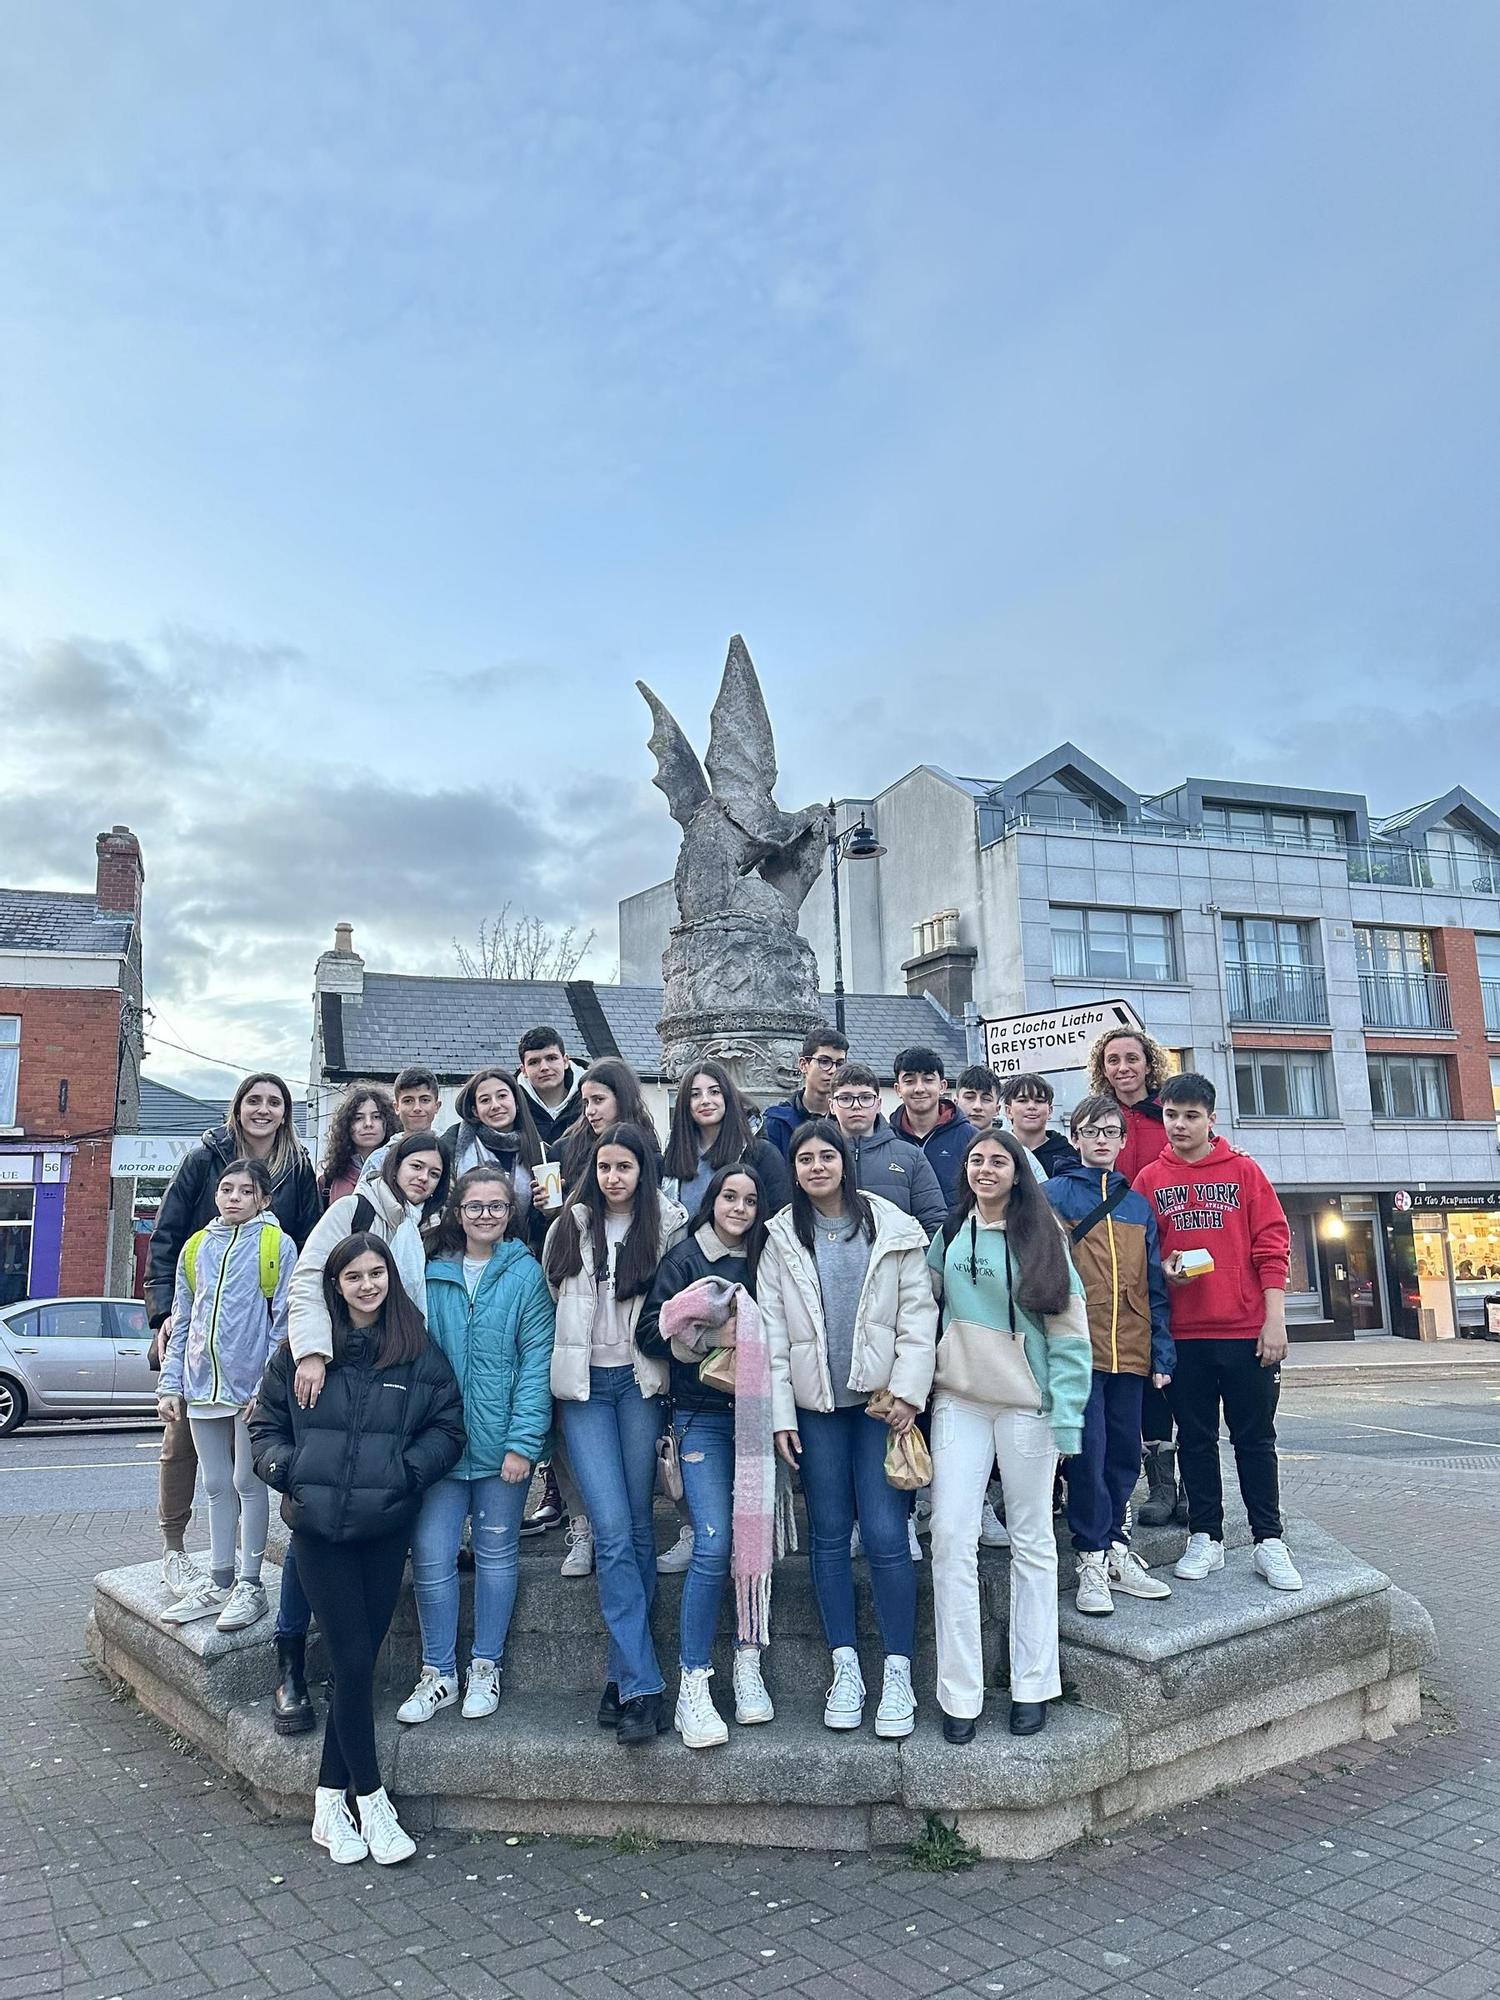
[855,843]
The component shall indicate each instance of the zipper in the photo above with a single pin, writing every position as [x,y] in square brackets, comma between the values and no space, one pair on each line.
[213,1315]
[356,1420]
[1114,1283]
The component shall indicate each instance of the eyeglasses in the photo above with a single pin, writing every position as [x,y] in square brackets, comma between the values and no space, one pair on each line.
[479,1211]
[826,1062]
[855,1100]
[1101,1131]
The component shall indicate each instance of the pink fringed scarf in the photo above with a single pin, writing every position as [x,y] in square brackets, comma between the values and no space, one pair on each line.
[713,1313]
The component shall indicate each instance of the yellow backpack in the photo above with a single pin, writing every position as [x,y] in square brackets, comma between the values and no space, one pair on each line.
[270,1260]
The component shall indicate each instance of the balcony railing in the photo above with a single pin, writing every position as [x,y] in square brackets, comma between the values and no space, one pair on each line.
[1490,988]
[1405,1000]
[1284,995]
[1395,867]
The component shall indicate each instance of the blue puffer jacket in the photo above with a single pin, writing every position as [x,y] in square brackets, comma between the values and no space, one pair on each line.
[500,1346]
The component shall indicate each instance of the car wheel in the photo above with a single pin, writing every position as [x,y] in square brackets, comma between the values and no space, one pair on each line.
[12,1406]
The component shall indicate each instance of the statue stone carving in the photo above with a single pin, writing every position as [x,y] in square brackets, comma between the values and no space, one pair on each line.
[741,982]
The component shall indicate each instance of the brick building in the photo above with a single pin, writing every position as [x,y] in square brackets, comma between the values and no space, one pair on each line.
[70,1054]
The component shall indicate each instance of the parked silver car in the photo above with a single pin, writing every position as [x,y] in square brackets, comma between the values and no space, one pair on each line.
[74,1358]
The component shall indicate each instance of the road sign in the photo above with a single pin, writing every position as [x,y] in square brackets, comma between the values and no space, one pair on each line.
[1058,1039]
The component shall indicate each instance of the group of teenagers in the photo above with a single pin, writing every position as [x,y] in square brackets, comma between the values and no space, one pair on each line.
[957,1299]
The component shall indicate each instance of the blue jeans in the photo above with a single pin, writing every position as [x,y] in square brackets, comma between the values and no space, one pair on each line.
[611,1441]
[496,1505]
[706,1450]
[843,1474]
[293,1612]
[1102,1477]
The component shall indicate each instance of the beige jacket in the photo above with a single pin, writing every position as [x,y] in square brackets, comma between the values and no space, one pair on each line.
[895,1323]
[309,1329]
[576,1303]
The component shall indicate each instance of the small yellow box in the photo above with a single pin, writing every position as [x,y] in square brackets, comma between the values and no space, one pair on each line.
[1195,1263]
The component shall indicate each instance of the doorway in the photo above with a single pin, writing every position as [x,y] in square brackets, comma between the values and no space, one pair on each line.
[1356,1282]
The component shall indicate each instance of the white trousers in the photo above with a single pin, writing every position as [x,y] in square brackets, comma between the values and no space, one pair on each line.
[966,1439]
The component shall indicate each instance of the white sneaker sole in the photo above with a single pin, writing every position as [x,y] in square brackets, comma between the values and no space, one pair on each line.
[393,1860]
[1196,1575]
[894,1727]
[1157,1591]
[1096,1610]
[748,1718]
[243,1624]
[426,1713]
[843,1718]
[692,1741]
[349,1855]
[177,1614]
[478,1714]
[1275,1585]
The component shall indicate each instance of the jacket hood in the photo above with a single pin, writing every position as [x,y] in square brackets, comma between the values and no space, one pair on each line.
[713,1245]
[572,1077]
[894,1230]
[219,1227]
[882,1133]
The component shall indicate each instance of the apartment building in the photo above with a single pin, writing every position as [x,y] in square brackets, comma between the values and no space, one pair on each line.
[1335,972]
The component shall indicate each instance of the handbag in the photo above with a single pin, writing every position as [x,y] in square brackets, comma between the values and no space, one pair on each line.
[908,1463]
[716,1370]
[668,1465]
[985,1364]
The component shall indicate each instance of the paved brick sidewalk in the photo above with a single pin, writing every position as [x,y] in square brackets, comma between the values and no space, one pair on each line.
[126,1868]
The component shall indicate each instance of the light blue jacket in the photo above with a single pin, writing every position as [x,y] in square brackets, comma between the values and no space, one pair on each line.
[500,1346]
[224,1328]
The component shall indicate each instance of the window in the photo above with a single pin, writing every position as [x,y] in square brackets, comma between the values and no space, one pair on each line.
[15,1243]
[1380,948]
[1275,826]
[1458,859]
[1268,941]
[1408,1087]
[10,1066]
[1488,951]
[1112,944]
[1397,986]
[1281,1083]
[1495,1088]
[1056,804]
[74,1319]
[1271,973]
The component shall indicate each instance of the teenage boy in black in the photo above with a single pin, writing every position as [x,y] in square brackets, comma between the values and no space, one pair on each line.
[1028,1101]
[823,1051]
[551,1083]
[926,1118]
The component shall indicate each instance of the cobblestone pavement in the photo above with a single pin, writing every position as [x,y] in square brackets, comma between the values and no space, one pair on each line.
[128,1868]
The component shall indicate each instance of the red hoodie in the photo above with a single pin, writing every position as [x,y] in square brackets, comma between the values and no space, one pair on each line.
[1224,1204]
[1144,1137]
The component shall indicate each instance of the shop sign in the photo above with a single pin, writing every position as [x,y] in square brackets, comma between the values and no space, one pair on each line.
[1463,1200]
[147,1157]
[1058,1039]
[16,1169]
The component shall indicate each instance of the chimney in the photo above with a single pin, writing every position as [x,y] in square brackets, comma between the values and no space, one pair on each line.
[940,965]
[340,970]
[343,938]
[120,873]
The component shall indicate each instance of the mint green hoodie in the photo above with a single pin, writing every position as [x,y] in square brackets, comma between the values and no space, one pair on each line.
[1058,1350]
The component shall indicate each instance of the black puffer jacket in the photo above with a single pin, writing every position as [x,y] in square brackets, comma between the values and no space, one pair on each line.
[188,1206]
[700,1255]
[355,1466]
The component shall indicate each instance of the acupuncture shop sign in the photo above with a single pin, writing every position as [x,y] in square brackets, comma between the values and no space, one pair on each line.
[1058,1039]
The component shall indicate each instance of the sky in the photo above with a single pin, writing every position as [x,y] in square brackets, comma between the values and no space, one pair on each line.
[384,387]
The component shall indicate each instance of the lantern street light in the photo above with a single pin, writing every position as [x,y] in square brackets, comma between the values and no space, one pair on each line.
[855,843]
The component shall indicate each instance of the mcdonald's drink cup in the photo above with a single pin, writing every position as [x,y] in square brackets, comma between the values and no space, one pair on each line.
[548,1177]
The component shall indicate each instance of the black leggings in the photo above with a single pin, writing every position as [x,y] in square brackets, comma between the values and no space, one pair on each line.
[352,1588]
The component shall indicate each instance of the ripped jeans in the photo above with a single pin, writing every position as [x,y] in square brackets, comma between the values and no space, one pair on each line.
[705,1449]
[496,1506]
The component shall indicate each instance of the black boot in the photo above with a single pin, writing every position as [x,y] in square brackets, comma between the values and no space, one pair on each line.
[609,1707]
[642,1719]
[1161,1478]
[549,1509]
[291,1707]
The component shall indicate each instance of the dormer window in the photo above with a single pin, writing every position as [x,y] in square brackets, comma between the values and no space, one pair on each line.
[1274,826]
[1460,859]
[1054,803]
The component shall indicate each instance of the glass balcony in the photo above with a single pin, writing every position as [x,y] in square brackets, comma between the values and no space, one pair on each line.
[1405,1000]
[1396,867]
[1490,988]
[1292,996]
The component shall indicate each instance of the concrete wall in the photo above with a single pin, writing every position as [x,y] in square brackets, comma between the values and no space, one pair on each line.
[646,920]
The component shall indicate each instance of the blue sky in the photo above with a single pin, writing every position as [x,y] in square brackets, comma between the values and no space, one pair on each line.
[387,386]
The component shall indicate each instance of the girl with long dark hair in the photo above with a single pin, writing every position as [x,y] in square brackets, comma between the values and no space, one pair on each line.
[847,1302]
[496,1129]
[710,1130]
[601,1258]
[1014,1371]
[364,1122]
[352,1468]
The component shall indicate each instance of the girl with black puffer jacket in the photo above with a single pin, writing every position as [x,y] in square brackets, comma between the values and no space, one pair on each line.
[352,1464]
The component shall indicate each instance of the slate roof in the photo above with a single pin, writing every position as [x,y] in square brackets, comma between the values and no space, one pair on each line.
[57,920]
[174,1114]
[455,1025]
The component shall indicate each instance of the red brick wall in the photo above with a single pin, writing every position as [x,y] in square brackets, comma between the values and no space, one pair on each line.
[1469,1070]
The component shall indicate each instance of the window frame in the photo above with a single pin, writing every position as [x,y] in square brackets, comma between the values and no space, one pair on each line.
[1388,1067]
[10,1069]
[1316,1061]
[1123,920]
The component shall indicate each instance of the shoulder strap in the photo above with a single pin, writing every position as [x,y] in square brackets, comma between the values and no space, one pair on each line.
[270,1262]
[190,1257]
[363,1216]
[1100,1209]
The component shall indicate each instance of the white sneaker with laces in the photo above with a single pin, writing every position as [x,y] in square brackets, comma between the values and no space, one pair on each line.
[1128,1573]
[180,1574]
[913,1545]
[1273,1561]
[752,1700]
[1092,1595]
[673,1561]
[247,1606]
[844,1705]
[579,1561]
[1199,1559]
[384,1835]
[482,1694]
[206,1599]
[333,1827]
[897,1713]
[432,1692]
[993,1533]
[697,1721]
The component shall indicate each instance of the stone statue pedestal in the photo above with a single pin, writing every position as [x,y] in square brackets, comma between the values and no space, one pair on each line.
[742,992]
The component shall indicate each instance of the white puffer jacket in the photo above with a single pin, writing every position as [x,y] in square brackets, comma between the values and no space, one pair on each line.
[895,1323]
[578,1299]
[310,1330]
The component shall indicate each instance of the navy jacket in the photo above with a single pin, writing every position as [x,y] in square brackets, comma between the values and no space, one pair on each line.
[944,1144]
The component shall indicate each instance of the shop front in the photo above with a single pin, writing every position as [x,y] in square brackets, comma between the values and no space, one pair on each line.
[1444,1248]
[1336,1286]
[33,1189]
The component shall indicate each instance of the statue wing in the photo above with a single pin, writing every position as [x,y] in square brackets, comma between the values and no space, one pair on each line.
[678,772]
[741,750]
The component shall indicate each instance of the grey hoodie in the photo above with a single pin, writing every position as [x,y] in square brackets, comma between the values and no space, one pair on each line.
[223,1326]
[885,1164]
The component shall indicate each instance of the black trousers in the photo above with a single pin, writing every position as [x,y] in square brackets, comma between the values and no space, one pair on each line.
[1156,1416]
[1215,1374]
[352,1588]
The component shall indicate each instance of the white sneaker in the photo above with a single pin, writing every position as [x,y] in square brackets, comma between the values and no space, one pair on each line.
[1093,1585]
[206,1599]
[180,1574]
[1273,1561]
[676,1559]
[697,1721]
[384,1835]
[1199,1559]
[912,1543]
[482,1695]
[1128,1573]
[897,1713]
[333,1826]
[579,1561]
[844,1705]
[432,1692]
[993,1533]
[752,1701]
[856,1546]
[247,1606]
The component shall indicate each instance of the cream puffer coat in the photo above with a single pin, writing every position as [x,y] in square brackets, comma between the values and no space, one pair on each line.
[578,1299]
[895,1323]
